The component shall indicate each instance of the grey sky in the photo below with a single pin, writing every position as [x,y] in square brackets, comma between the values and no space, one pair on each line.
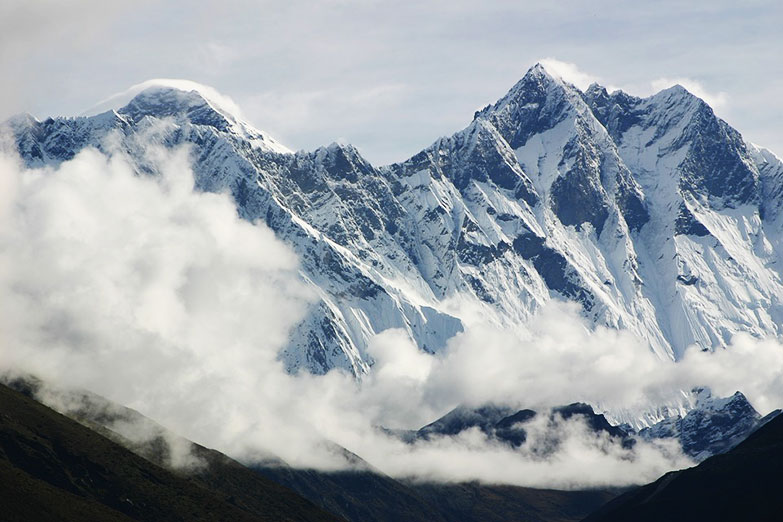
[389,77]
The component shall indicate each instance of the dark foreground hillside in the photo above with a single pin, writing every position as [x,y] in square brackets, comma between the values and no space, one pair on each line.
[743,484]
[51,465]
[366,495]
[53,468]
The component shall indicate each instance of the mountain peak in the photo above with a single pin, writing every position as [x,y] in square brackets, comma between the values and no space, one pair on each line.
[164,101]
[678,94]
[187,88]
[537,102]
[539,69]
[534,87]
[540,74]
[561,73]
[21,120]
[185,100]
[596,89]
[679,89]
[182,96]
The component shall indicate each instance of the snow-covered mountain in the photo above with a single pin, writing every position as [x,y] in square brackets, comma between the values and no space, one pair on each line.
[712,426]
[651,213]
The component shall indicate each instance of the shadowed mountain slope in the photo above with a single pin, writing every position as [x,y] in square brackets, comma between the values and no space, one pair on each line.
[743,484]
[53,468]
[359,495]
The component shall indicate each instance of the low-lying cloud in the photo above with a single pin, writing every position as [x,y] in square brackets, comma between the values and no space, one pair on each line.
[159,297]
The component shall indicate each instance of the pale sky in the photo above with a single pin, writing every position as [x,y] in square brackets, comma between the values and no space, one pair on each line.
[389,77]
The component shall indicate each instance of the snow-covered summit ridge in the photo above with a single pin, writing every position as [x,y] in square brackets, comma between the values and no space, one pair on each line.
[651,213]
[200,103]
[217,100]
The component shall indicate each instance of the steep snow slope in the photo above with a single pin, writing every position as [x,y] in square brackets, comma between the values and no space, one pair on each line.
[651,213]
[337,211]
[706,247]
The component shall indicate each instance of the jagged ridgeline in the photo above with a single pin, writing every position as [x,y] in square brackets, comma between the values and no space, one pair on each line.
[652,213]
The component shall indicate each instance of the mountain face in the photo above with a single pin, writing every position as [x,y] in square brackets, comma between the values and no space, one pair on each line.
[651,213]
[711,426]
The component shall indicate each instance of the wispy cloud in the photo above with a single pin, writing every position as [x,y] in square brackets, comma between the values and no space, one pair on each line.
[569,72]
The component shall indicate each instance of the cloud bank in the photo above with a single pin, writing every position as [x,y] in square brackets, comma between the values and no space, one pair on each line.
[158,297]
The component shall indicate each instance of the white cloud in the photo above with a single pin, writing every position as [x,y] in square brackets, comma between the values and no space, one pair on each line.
[140,288]
[558,359]
[397,359]
[716,100]
[569,72]
[160,298]
[577,457]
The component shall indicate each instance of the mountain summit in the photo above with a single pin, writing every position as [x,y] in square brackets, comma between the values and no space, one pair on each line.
[652,214]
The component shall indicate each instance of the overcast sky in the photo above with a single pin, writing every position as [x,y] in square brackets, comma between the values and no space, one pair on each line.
[389,77]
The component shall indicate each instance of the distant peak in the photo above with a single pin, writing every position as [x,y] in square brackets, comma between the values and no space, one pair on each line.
[596,89]
[339,145]
[540,72]
[536,79]
[339,149]
[160,101]
[678,89]
[21,120]
[336,147]
[566,73]
[680,93]
[538,68]
[738,395]
[197,103]
[155,91]
[167,101]
[190,91]
[544,81]
[553,74]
